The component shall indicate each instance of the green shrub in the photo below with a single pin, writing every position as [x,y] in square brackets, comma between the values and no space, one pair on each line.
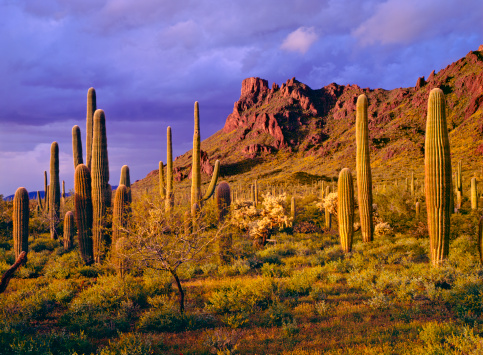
[129,343]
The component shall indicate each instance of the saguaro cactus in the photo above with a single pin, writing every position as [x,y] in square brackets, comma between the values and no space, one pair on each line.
[126,180]
[196,165]
[223,202]
[91,108]
[39,201]
[169,172]
[120,212]
[346,209]
[412,184]
[459,186]
[62,196]
[69,230]
[196,196]
[437,165]
[480,239]
[46,192]
[474,194]
[83,212]
[363,167]
[418,208]
[100,185]
[292,209]
[20,221]
[77,146]
[54,190]
[162,189]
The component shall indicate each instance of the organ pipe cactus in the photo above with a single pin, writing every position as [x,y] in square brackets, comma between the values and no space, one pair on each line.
[91,108]
[223,202]
[169,172]
[100,187]
[126,180]
[162,190]
[474,194]
[363,167]
[20,221]
[83,212]
[69,230]
[346,209]
[437,165]
[120,213]
[196,197]
[54,190]
[77,146]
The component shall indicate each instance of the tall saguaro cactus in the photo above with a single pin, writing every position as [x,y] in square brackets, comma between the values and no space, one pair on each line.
[46,192]
[474,194]
[77,146]
[169,171]
[363,167]
[120,212]
[162,189]
[126,180]
[196,196]
[100,184]
[346,209]
[437,166]
[83,212]
[223,202]
[459,185]
[91,108]
[54,190]
[20,221]
[68,230]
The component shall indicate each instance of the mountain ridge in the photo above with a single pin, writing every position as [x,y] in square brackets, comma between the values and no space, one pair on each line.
[299,129]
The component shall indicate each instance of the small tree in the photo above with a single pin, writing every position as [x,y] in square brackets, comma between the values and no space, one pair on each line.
[166,241]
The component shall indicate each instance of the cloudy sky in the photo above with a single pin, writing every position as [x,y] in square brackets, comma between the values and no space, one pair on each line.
[150,60]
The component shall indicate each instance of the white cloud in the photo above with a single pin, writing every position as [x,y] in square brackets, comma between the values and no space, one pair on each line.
[300,40]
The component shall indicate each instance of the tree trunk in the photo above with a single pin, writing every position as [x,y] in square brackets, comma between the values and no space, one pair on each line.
[180,292]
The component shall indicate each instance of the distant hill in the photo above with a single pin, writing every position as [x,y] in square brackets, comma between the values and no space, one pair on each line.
[295,133]
[33,195]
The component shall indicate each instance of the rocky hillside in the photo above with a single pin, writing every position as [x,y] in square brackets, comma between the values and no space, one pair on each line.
[293,131]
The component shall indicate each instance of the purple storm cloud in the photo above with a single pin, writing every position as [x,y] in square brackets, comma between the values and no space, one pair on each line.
[149,61]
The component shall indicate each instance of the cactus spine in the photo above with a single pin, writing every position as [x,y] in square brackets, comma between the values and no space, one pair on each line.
[120,211]
[91,108]
[223,202]
[346,209]
[54,190]
[100,185]
[169,172]
[126,180]
[363,167]
[162,190]
[437,164]
[83,212]
[474,194]
[77,146]
[68,230]
[20,221]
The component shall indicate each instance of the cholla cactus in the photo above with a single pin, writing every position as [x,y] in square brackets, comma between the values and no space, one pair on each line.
[383,229]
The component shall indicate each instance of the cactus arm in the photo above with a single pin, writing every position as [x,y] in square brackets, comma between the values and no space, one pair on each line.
[214,180]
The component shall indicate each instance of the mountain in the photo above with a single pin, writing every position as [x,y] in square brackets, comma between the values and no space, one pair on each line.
[293,132]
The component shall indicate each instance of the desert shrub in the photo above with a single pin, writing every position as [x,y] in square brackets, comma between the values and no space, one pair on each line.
[237,267]
[223,341]
[106,307]
[445,338]
[306,227]
[274,270]
[41,244]
[301,281]
[276,314]
[157,282]
[34,266]
[274,253]
[242,297]
[51,343]
[465,298]
[163,315]
[64,266]
[128,343]
[383,230]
